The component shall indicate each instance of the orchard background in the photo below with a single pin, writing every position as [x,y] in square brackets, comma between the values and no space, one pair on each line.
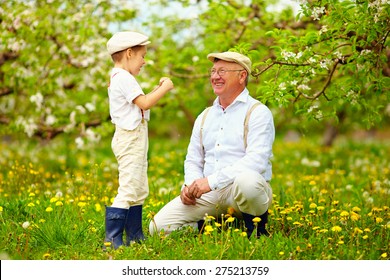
[322,67]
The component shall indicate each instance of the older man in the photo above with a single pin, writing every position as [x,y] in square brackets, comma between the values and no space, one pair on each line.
[227,165]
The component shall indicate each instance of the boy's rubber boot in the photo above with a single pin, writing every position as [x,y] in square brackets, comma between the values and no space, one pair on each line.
[133,225]
[115,224]
[250,225]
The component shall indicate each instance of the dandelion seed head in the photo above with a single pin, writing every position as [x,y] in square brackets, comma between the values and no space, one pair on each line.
[26,225]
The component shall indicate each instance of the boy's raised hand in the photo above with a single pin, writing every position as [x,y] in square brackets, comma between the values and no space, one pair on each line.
[167,83]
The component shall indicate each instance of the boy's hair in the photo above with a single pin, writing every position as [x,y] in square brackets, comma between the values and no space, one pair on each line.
[118,56]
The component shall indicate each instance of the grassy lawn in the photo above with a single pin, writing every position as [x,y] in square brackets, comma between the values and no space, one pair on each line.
[329,203]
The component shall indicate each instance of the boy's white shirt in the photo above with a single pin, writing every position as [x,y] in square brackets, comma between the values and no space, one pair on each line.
[123,89]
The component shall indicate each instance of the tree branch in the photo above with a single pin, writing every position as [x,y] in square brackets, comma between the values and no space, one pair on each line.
[327,83]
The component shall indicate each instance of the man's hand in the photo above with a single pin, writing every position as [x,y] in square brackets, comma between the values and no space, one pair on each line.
[186,198]
[199,187]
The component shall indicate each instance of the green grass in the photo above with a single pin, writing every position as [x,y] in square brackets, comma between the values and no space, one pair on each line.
[329,203]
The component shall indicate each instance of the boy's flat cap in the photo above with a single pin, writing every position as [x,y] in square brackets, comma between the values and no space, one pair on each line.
[126,39]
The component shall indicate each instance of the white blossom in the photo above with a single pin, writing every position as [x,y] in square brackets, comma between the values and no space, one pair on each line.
[29,126]
[81,109]
[92,136]
[319,114]
[90,107]
[79,142]
[50,120]
[312,108]
[304,87]
[317,12]
[324,29]
[387,111]
[37,99]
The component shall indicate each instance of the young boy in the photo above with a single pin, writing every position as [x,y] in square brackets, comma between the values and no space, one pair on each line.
[129,110]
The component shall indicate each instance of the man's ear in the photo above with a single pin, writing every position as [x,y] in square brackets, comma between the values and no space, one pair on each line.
[243,75]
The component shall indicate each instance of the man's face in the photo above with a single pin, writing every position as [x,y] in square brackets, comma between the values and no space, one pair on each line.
[226,77]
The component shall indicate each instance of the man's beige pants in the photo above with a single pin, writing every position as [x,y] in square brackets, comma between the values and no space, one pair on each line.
[249,193]
[130,149]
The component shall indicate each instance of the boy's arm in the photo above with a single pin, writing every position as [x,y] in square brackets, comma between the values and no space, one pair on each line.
[145,102]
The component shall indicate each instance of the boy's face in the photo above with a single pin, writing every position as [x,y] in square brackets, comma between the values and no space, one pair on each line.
[136,59]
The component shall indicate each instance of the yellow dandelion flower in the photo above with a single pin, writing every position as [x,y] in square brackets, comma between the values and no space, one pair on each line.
[81,204]
[208,228]
[209,218]
[315,228]
[354,216]
[42,221]
[98,208]
[341,242]
[336,229]
[357,230]
[49,209]
[31,194]
[217,224]
[1,208]
[356,209]
[59,203]
[336,202]
[289,219]
[244,234]
[281,253]
[46,255]
[230,210]
[107,244]
[297,223]
[384,255]
[378,220]
[31,204]
[256,220]
[313,205]
[367,230]
[230,220]
[320,208]
[365,237]
[236,230]
[324,230]
[312,183]
[344,214]
[53,199]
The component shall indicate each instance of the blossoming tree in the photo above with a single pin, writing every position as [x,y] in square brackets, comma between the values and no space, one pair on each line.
[329,63]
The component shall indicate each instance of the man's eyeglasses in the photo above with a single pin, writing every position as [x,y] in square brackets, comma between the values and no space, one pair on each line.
[221,72]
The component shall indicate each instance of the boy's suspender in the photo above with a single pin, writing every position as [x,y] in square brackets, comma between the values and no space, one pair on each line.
[246,122]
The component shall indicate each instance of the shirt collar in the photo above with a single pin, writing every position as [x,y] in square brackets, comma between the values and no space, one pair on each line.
[242,97]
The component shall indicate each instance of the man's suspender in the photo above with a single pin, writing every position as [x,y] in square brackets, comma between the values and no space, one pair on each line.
[246,122]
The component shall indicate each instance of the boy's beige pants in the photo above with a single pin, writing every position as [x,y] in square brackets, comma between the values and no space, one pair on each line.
[130,149]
